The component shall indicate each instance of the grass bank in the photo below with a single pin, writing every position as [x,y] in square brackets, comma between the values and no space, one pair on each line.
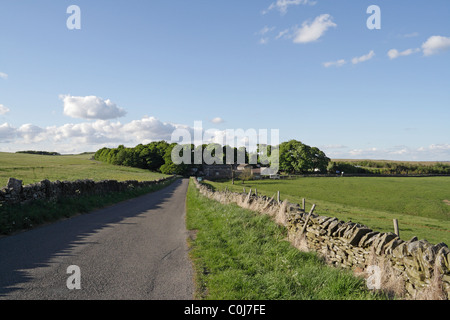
[16,218]
[241,255]
[418,203]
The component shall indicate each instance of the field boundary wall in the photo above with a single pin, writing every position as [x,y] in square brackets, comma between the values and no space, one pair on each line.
[16,193]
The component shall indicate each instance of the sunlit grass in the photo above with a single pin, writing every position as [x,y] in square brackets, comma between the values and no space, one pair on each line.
[417,203]
[241,255]
[34,168]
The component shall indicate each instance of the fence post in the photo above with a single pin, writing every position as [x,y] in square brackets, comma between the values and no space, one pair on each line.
[256,192]
[396,231]
[304,204]
[278,196]
[307,219]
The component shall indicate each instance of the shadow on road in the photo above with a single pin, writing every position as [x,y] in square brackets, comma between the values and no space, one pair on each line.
[36,248]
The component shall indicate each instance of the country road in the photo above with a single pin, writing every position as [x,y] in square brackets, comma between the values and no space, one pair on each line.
[134,250]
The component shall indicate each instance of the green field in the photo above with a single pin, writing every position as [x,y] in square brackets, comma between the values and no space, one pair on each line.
[34,168]
[420,204]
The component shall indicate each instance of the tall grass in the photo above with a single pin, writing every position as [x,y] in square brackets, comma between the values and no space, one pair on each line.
[241,255]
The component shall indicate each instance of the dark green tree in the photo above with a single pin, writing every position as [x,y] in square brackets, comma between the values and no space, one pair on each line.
[296,157]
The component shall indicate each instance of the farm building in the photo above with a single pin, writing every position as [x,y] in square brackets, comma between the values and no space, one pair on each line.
[217,171]
[225,171]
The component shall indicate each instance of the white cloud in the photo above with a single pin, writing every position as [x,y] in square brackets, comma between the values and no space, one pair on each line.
[338,63]
[310,32]
[91,107]
[217,120]
[363,58]
[7,132]
[3,75]
[3,110]
[31,133]
[282,5]
[149,128]
[435,44]
[394,53]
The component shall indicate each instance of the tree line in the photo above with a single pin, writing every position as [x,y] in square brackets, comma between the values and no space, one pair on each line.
[388,168]
[42,153]
[294,157]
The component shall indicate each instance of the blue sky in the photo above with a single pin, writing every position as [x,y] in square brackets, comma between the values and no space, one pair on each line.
[137,70]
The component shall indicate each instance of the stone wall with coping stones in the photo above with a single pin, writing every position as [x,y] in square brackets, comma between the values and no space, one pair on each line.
[15,193]
[352,245]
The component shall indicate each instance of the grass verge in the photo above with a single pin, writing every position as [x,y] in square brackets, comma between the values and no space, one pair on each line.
[30,215]
[241,255]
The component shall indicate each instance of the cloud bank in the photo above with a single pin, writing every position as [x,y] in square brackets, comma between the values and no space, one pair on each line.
[85,136]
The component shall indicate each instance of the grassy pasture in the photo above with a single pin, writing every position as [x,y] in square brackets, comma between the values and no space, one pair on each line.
[33,168]
[420,204]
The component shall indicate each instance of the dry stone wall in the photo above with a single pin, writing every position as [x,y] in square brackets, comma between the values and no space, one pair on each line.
[416,268]
[15,192]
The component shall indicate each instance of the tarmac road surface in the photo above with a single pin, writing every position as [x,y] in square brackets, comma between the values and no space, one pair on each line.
[134,250]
